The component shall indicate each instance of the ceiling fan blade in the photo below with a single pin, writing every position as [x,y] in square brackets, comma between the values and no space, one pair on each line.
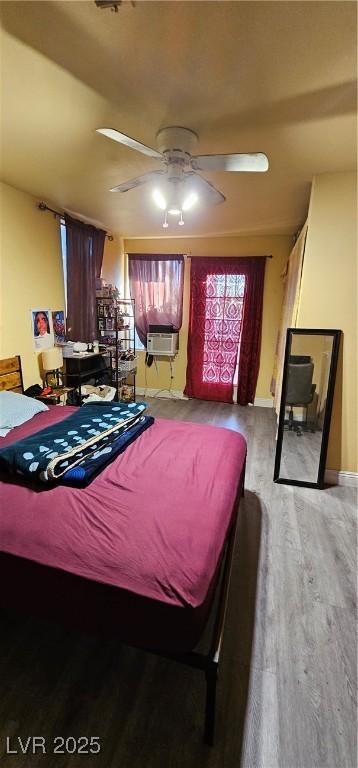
[111,133]
[138,181]
[256,162]
[204,188]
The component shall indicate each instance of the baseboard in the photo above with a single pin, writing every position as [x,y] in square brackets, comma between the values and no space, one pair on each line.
[339,477]
[173,394]
[264,402]
[176,394]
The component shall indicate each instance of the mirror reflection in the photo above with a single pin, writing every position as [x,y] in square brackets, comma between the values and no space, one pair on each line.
[303,428]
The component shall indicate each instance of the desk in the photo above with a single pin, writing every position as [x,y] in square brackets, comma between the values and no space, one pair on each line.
[80,367]
[55,396]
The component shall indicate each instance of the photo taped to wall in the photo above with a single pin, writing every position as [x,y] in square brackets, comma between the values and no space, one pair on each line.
[59,330]
[42,330]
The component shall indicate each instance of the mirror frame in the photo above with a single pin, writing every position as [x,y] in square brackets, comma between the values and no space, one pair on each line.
[291,332]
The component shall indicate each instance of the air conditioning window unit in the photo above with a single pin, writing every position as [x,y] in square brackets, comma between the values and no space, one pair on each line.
[165,344]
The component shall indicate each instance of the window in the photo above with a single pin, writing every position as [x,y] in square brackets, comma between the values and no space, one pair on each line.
[225,320]
[138,344]
[64,258]
[156,285]
[222,326]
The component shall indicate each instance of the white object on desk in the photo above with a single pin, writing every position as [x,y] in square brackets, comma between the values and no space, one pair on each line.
[69,355]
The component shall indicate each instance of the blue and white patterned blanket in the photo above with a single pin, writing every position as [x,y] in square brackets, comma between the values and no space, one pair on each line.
[74,450]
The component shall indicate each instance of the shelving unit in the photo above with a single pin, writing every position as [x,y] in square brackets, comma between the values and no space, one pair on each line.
[80,368]
[116,329]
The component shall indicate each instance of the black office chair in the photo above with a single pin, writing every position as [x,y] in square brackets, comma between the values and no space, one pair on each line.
[300,392]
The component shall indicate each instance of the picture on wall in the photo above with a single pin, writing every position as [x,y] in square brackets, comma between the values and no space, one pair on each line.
[42,328]
[58,323]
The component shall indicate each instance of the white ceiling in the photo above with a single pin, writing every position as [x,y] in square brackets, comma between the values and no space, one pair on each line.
[276,77]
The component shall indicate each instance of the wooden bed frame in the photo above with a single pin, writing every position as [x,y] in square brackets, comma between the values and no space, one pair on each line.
[11,374]
[205,660]
[208,661]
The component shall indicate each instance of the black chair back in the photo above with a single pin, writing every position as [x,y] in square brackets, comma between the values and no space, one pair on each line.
[299,386]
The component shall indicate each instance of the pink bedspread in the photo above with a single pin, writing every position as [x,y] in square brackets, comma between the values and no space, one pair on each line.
[153,522]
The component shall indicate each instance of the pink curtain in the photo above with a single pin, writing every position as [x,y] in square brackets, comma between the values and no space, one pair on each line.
[156,285]
[225,316]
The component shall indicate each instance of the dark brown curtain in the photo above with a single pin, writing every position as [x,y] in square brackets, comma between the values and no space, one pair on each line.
[98,240]
[84,254]
[250,344]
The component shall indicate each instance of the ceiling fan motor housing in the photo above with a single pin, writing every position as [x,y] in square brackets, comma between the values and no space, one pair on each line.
[177,142]
[175,166]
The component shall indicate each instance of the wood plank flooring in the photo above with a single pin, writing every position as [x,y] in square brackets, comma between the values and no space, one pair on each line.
[300,455]
[287,684]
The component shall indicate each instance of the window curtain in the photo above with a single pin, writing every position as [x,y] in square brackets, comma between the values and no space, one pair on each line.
[292,282]
[98,241]
[156,285]
[250,345]
[84,255]
[225,298]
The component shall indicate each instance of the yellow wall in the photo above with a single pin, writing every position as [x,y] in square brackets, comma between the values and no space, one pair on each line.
[113,262]
[328,299]
[279,246]
[31,274]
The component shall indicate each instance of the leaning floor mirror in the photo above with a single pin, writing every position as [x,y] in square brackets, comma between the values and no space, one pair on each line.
[306,405]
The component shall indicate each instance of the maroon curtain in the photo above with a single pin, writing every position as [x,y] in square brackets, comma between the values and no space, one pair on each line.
[250,345]
[222,292]
[156,285]
[98,240]
[84,254]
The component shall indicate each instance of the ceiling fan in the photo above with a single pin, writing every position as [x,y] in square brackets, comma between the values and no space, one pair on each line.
[175,147]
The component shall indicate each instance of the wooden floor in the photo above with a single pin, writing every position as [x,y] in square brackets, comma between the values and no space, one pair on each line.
[286,694]
[300,455]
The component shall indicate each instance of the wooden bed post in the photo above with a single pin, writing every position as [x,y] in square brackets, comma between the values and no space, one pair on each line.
[211,676]
[212,660]
[11,375]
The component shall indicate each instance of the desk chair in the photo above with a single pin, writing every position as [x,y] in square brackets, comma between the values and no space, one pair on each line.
[300,391]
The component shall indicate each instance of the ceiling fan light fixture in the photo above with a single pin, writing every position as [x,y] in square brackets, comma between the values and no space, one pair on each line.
[189,201]
[165,224]
[159,199]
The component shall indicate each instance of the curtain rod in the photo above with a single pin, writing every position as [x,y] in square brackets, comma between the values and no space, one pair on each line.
[43,207]
[266,256]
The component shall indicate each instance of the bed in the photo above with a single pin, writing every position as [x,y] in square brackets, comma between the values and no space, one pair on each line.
[143,553]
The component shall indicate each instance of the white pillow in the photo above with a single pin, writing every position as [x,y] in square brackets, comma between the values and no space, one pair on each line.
[15,409]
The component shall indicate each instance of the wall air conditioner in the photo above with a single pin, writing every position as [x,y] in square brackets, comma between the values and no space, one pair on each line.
[165,344]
